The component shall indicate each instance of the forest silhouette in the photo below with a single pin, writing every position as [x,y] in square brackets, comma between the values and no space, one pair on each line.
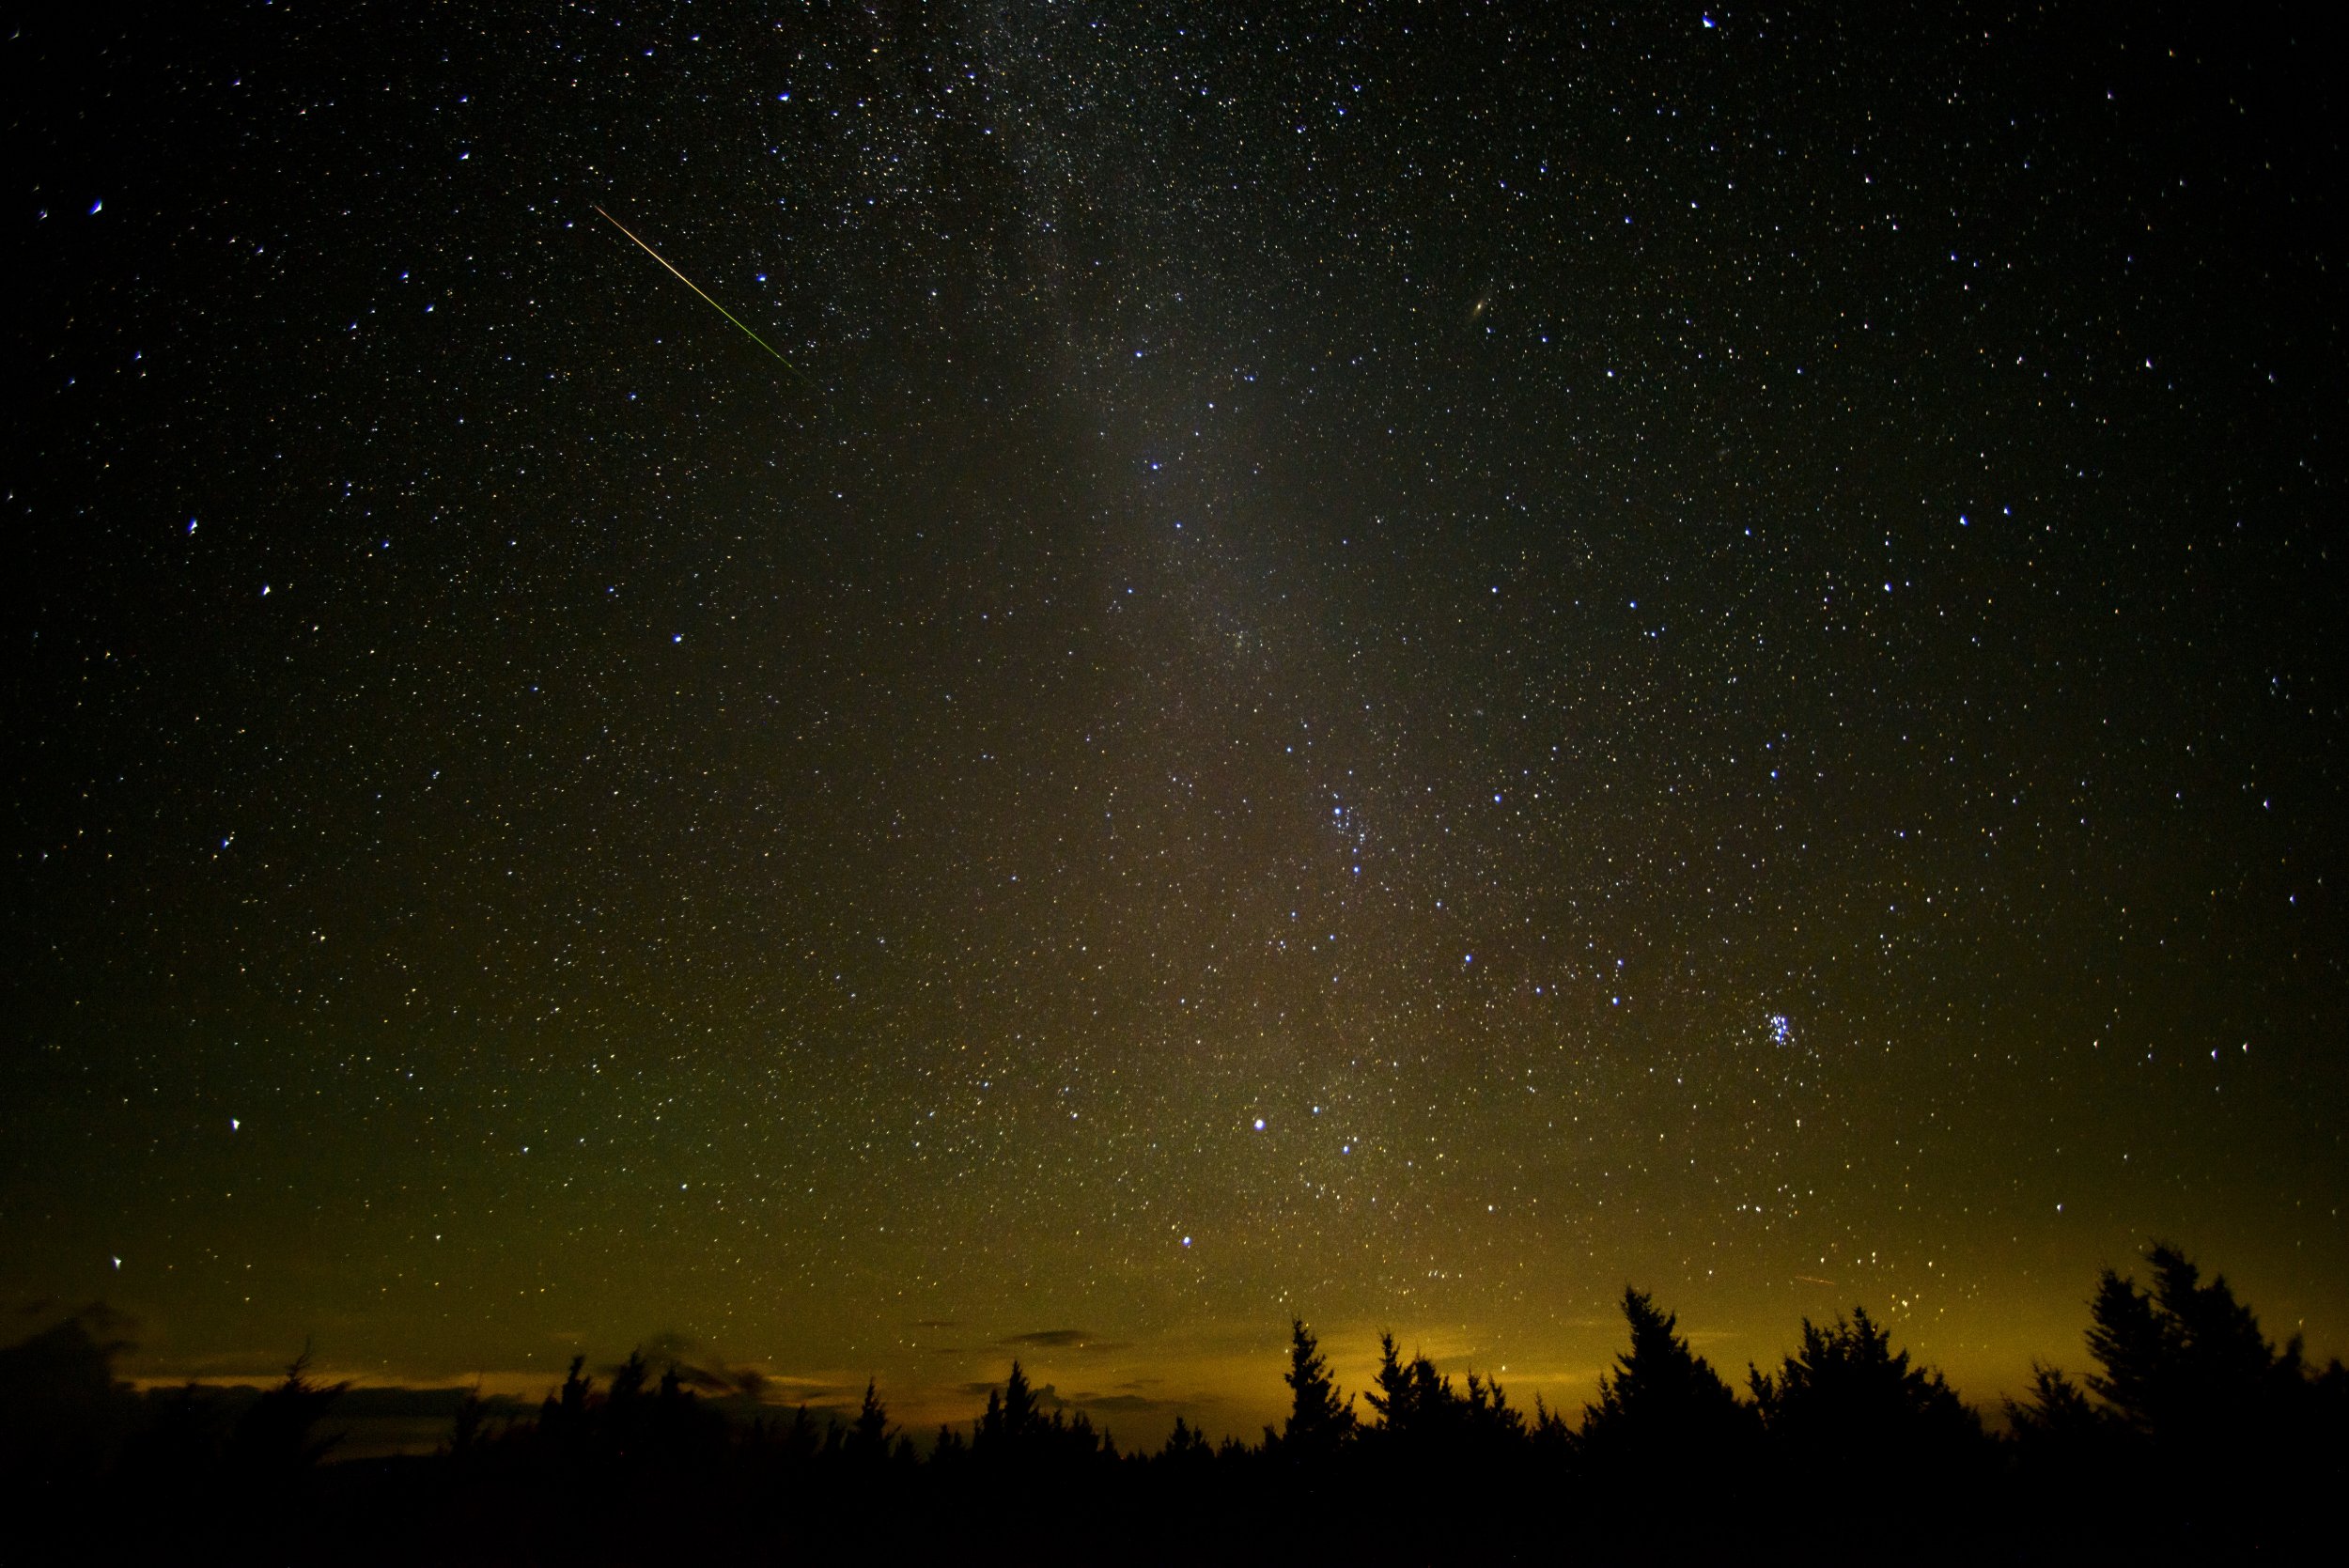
[2192,1438]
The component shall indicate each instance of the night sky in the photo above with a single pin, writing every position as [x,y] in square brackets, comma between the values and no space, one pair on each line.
[1397,663]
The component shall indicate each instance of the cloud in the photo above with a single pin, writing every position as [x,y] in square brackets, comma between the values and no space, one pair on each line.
[1054,1337]
[401,1400]
[721,1381]
[1062,1339]
[1126,1405]
[101,1322]
[700,1368]
[1047,1397]
[1123,1402]
[780,1390]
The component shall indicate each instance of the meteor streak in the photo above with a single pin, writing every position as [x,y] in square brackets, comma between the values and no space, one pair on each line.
[697,289]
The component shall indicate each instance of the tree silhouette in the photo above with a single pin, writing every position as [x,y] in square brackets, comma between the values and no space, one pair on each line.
[1390,1394]
[868,1435]
[1487,1418]
[2055,1413]
[1014,1430]
[1847,1401]
[2183,1359]
[1663,1406]
[627,1381]
[466,1429]
[1012,1423]
[2188,1416]
[563,1418]
[277,1440]
[63,1413]
[2065,1445]
[2188,1413]
[1318,1424]
[1184,1446]
[1552,1437]
[2189,1381]
[800,1441]
[950,1448]
[1415,1403]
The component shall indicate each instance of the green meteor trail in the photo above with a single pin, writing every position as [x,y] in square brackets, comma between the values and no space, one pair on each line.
[697,289]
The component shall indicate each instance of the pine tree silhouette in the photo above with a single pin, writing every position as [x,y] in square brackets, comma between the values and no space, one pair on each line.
[1415,1404]
[563,1418]
[466,1436]
[1318,1424]
[1010,1420]
[1849,1400]
[275,1441]
[800,1441]
[868,1437]
[1551,1438]
[627,1380]
[2185,1372]
[2066,1446]
[2181,1360]
[2056,1411]
[2188,1415]
[63,1413]
[1184,1446]
[1662,1406]
[2188,1412]
[1491,1424]
[1389,1395]
[950,1448]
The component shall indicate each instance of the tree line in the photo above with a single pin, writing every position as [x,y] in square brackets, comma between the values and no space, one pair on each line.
[2190,1435]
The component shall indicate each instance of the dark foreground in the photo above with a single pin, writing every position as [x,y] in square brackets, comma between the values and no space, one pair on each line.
[2194,1440]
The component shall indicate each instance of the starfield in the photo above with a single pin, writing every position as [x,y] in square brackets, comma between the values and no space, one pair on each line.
[1604,730]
